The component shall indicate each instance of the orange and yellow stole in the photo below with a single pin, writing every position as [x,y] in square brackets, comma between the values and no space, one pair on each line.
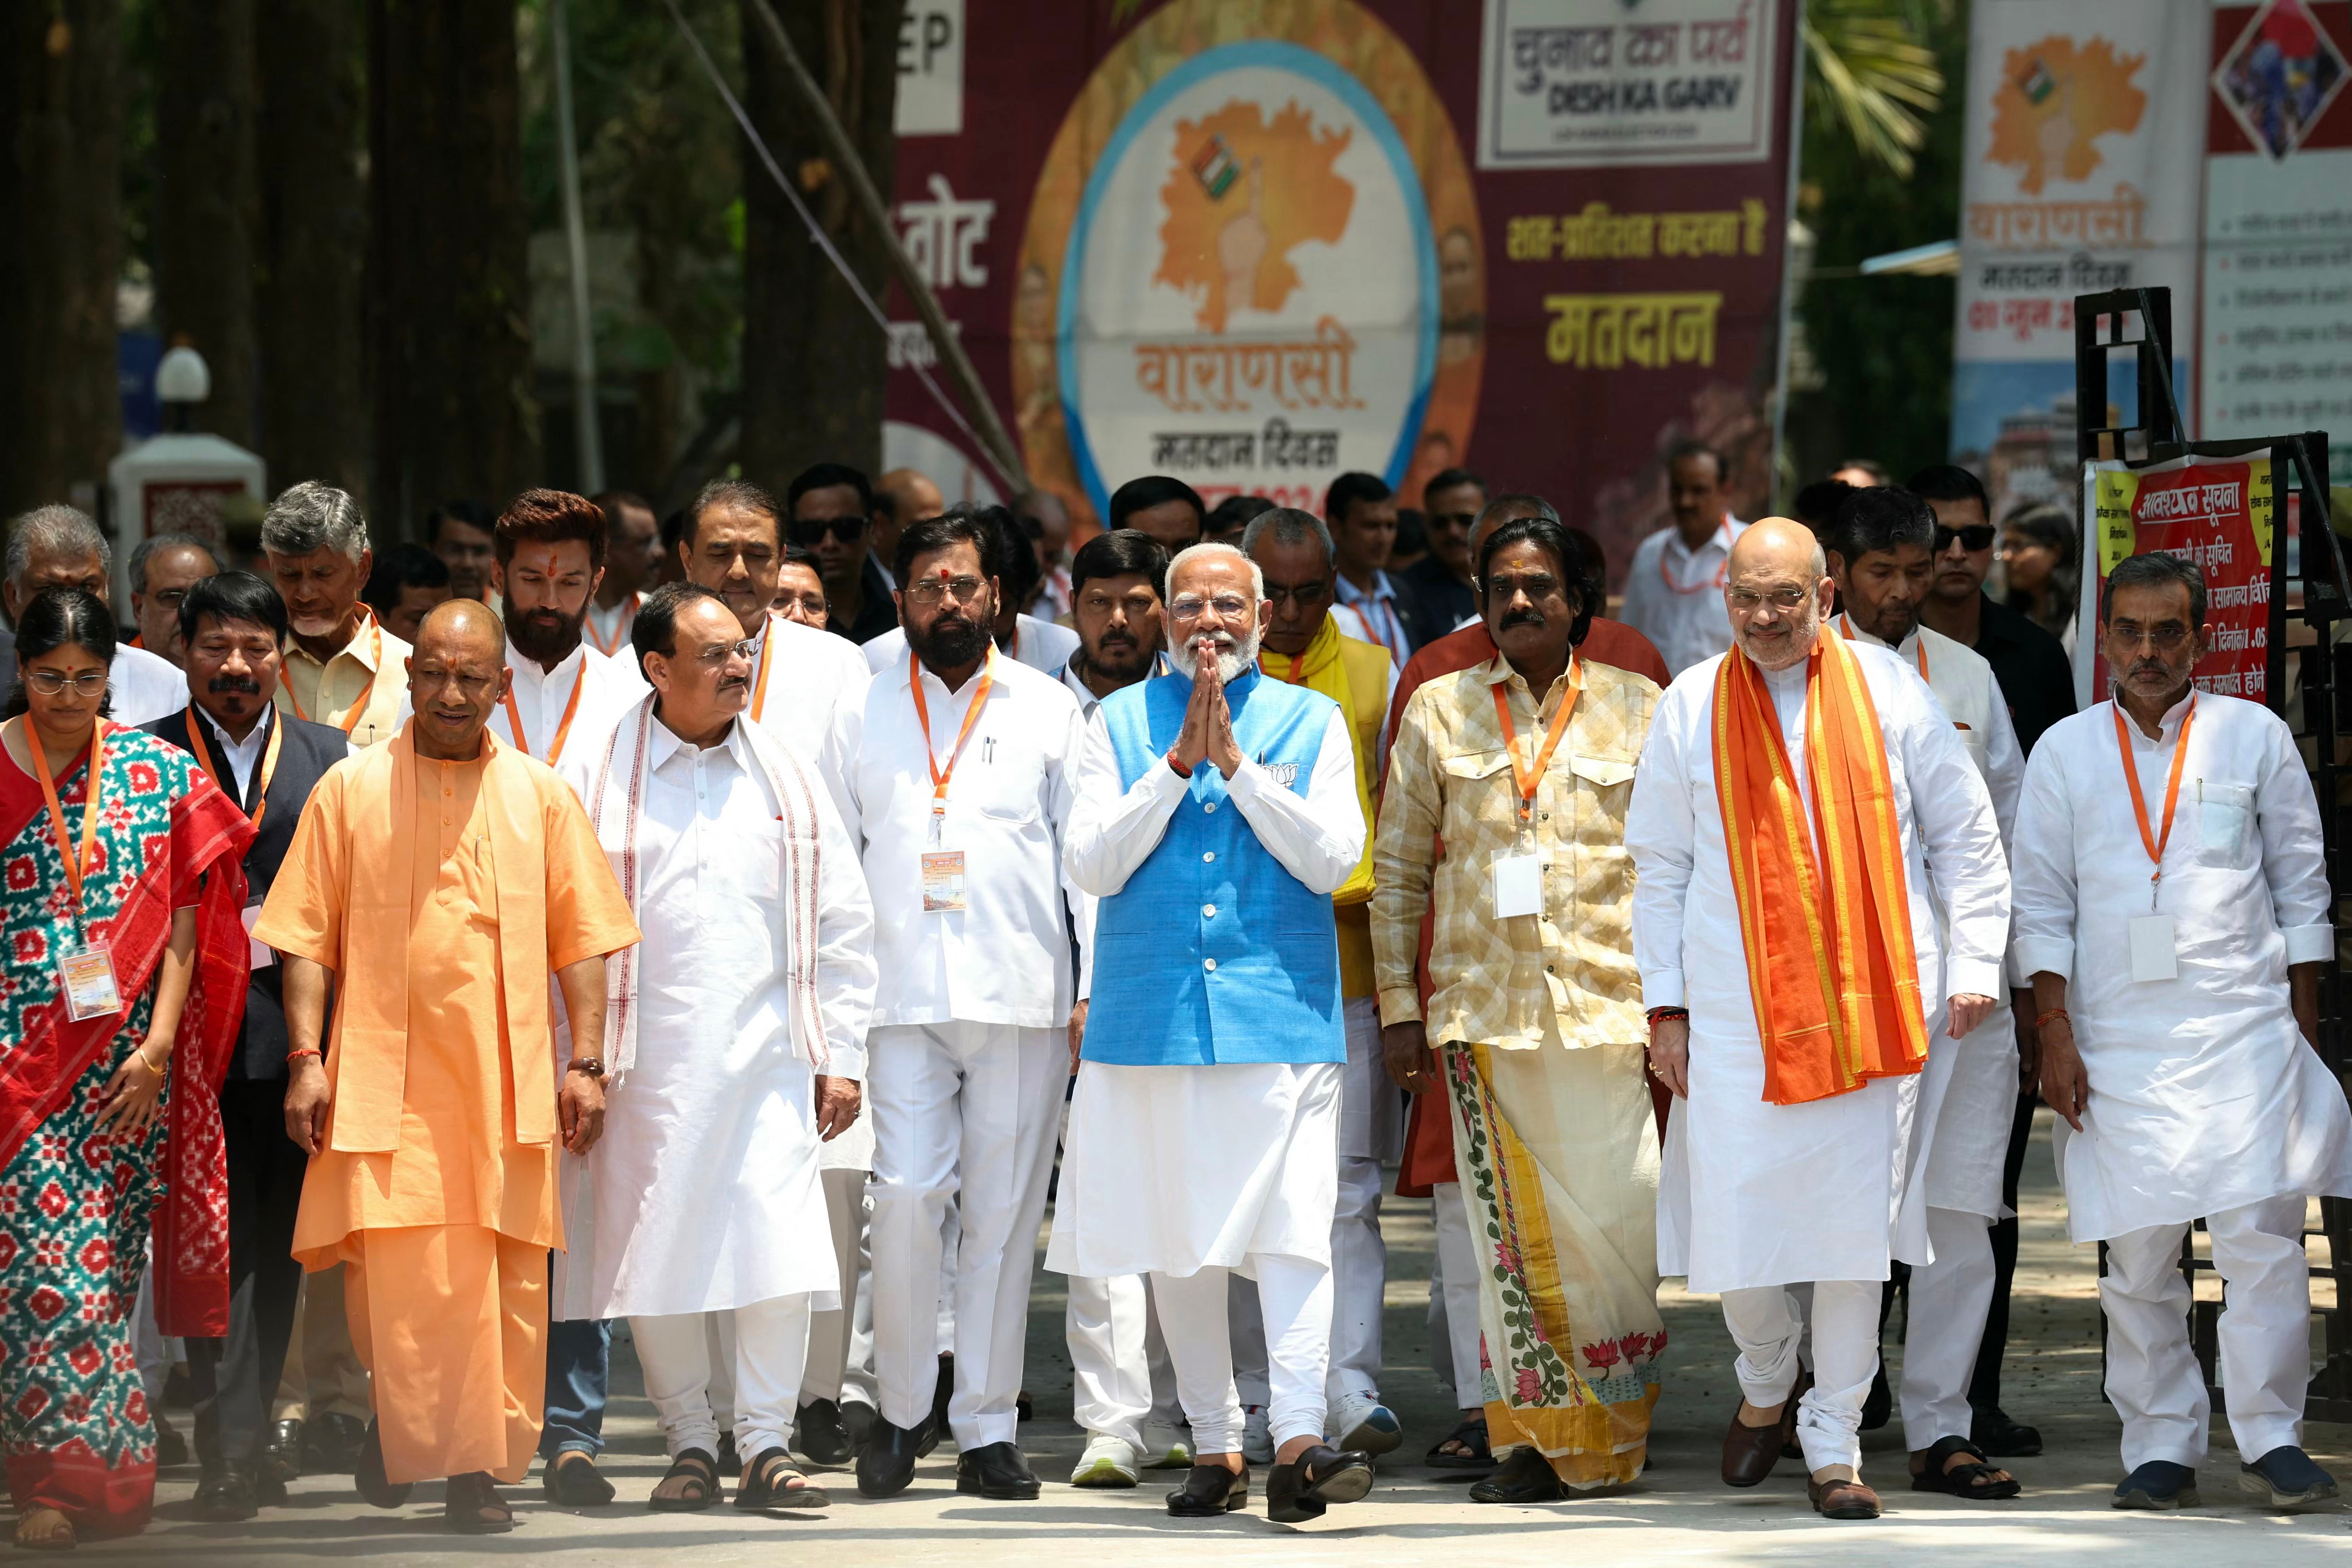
[1826,920]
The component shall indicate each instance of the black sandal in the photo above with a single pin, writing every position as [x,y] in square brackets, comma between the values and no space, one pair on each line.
[699,1470]
[1976,1482]
[1297,1491]
[1472,1437]
[767,1485]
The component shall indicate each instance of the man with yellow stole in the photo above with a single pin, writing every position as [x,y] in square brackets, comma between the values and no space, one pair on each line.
[1304,647]
[440,879]
[1523,765]
[1791,797]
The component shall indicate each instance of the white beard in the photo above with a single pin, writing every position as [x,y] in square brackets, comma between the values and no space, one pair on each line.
[1231,661]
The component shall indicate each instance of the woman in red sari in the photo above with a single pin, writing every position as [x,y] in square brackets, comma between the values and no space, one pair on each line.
[124,979]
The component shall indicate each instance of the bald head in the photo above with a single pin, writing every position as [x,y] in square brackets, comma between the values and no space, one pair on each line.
[457,675]
[457,628]
[1776,592]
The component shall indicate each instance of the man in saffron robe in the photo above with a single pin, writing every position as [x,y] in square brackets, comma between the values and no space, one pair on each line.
[441,879]
[1792,796]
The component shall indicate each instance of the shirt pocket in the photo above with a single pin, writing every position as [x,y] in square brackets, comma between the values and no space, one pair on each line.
[2225,824]
[1480,788]
[996,782]
[1598,790]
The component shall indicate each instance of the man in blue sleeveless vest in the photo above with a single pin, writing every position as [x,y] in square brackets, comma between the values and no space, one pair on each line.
[1214,815]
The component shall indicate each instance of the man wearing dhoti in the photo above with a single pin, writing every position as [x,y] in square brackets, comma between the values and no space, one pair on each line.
[441,879]
[1523,765]
[1790,798]
[1881,546]
[737,1029]
[2173,908]
[1203,1137]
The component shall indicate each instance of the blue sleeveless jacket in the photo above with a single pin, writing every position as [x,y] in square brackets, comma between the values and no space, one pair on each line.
[1212,952]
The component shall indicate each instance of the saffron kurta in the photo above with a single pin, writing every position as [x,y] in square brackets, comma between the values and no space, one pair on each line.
[443,1071]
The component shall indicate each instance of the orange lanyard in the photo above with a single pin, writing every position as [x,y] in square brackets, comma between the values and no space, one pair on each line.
[514,717]
[1721,569]
[767,656]
[620,632]
[1529,779]
[268,761]
[75,864]
[358,708]
[2154,841]
[1919,649]
[940,776]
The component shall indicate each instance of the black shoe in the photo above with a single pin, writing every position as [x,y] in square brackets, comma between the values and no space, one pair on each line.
[1525,1476]
[2159,1484]
[367,1473]
[1991,1430]
[225,1495]
[942,1392]
[819,1437]
[999,1470]
[1210,1491]
[281,1453]
[886,1463]
[857,1420]
[1880,1404]
[2286,1480]
[572,1481]
[331,1444]
[170,1448]
[1297,1491]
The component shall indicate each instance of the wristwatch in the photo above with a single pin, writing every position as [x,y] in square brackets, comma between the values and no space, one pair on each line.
[593,1066]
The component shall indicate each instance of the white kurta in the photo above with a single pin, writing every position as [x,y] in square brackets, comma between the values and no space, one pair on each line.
[607,686]
[810,675]
[2204,1097]
[1752,1194]
[1674,595]
[704,1184]
[1968,1091]
[144,687]
[1170,1170]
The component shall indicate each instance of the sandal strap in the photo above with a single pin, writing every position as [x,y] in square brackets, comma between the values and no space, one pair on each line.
[1940,1452]
[695,1467]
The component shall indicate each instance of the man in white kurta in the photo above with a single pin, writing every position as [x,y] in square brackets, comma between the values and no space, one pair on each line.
[1882,558]
[953,774]
[2176,937]
[1218,812]
[1756,1196]
[739,1028]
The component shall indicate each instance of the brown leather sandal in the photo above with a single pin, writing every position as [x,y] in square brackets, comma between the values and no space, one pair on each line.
[1843,1500]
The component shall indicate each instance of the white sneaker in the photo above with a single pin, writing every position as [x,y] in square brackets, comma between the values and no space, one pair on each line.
[1365,1425]
[1109,1462]
[1167,1448]
[1257,1435]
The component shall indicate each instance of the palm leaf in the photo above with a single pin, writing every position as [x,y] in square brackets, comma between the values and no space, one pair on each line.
[1870,72]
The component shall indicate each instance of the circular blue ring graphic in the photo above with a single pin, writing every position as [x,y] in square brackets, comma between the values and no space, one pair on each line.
[1326,73]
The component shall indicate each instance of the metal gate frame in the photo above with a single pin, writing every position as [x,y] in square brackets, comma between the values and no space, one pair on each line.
[2318,707]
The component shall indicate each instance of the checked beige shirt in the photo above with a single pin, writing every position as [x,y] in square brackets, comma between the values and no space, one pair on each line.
[1567,974]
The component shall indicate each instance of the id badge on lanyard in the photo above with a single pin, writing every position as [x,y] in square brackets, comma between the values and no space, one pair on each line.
[943,872]
[85,971]
[85,975]
[943,889]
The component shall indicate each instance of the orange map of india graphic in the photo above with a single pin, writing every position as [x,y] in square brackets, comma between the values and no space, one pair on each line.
[2055,100]
[1243,195]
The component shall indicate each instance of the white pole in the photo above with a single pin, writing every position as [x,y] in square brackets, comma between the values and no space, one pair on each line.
[575,245]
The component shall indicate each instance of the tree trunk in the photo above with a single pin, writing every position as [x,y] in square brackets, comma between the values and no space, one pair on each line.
[313,227]
[62,186]
[814,362]
[205,207]
[450,303]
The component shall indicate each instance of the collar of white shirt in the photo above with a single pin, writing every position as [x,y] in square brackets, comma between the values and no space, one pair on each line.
[665,743]
[2168,727]
[527,672]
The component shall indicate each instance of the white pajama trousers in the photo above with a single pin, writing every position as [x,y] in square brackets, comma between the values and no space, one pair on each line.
[1120,1376]
[2153,1378]
[1454,1300]
[963,1115]
[766,1343]
[1294,1298]
[839,1363]
[1766,1325]
[1950,1299]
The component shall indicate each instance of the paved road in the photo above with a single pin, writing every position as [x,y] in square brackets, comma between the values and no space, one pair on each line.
[1679,1514]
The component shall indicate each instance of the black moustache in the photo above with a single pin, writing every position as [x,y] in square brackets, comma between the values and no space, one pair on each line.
[733,683]
[221,683]
[1113,639]
[1523,618]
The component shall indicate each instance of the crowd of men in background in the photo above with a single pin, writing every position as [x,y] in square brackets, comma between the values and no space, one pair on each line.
[1280,848]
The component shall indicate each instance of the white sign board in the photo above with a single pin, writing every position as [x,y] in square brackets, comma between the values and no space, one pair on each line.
[931,68]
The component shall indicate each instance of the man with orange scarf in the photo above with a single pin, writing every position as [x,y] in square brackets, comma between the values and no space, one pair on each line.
[1790,799]
[1304,647]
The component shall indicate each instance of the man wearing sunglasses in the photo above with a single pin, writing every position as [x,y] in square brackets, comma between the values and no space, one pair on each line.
[834,514]
[2037,683]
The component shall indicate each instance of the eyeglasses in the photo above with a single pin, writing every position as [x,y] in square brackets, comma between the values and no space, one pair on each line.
[2166,637]
[845,530]
[48,682]
[1782,598]
[716,655]
[1190,606]
[1975,536]
[932,590]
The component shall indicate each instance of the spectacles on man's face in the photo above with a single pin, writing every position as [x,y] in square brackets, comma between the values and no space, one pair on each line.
[716,655]
[1976,536]
[845,530]
[1746,599]
[1191,607]
[930,591]
[2164,636]
[50,682]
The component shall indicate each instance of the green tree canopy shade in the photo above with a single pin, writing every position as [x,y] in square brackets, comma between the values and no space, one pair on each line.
[1867,68]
